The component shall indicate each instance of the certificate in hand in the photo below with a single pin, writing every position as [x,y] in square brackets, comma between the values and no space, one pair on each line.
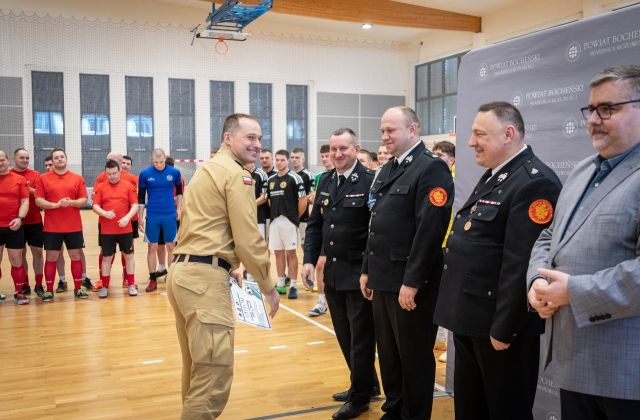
[248,304]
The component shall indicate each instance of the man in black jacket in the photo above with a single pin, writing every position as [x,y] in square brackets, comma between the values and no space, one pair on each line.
[483,291]
[339,224]
[410,203]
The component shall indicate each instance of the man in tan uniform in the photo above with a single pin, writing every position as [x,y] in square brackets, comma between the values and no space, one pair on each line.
[218,232]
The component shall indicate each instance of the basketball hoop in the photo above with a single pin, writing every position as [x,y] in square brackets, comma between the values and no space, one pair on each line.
[221,47]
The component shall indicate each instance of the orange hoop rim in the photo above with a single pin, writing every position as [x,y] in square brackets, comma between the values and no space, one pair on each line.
[221,47]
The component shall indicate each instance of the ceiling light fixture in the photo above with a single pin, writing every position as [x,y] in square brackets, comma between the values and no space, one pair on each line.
[367,26]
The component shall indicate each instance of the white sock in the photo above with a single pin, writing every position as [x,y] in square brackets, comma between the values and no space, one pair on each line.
[84,276]
[61,278]
[293,282]
[322,298]
[161,267]
[280,282]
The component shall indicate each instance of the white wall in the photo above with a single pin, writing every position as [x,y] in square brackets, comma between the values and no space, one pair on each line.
[67,37]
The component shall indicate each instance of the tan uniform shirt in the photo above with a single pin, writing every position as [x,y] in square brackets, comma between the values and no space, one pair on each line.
[219,217]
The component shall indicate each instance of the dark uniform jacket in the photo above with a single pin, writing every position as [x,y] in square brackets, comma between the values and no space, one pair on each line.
[411,208]
[339,223]
[483,289]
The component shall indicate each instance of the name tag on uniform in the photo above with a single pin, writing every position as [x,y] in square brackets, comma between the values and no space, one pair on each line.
[354,195]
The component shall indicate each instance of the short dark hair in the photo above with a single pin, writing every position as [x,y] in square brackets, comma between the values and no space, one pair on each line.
[266,151]
[48,158]
[325,148]
[506,113]
[127,157]
[58,149]
[111,164]
[298,150]
[283,152]
[19,149]
[170,161]
[374,156]
[232,122]
[445,147]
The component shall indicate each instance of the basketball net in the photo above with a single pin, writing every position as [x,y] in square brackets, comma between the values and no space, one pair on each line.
[221,47]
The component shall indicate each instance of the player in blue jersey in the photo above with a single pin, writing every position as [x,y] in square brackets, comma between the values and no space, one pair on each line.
[156,187]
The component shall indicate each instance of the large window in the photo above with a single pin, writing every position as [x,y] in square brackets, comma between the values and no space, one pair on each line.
[260,107]
[94,123]
[139,99]
[297,116]
[48,114]
[222,105]
[436,94]
[182,121]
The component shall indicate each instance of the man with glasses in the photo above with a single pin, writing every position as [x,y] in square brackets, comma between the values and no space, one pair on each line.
[584,272]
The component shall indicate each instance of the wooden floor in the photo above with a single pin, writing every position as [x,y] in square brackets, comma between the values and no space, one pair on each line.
[119,358]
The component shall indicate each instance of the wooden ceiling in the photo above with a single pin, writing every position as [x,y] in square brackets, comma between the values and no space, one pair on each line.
[377,12]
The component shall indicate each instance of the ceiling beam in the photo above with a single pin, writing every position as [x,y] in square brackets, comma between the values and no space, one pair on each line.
[378,12]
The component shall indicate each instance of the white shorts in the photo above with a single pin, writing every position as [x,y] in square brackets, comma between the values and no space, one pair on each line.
[302,229]
[262,229]
[283,235]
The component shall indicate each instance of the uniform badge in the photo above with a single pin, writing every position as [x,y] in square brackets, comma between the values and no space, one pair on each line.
[272,185]
[247,180]
[354,178]
[438,197]
[502,176]
[408,160]
[541,211]
[325,202]
[169,178]
[534,171]
[474,208]
[467,225]
[283,184]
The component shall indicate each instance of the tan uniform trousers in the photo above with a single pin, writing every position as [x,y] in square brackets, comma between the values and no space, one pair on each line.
[199,295]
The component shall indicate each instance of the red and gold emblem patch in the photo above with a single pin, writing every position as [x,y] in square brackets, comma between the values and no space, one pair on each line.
[541,211]
[438,196]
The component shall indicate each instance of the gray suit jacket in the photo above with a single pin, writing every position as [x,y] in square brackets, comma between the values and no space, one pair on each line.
[596,338]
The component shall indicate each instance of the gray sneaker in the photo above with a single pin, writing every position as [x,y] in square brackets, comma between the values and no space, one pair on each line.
[103,292]
[319,309]
[133,290]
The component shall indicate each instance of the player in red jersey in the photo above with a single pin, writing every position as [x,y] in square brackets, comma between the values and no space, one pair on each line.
[116,202]
[14,205]
[32,223]
[125,175]
[61,193]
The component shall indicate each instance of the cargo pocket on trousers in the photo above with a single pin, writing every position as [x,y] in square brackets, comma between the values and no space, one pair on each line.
[212,341]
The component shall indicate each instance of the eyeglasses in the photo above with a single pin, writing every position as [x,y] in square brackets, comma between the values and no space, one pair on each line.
[603,110]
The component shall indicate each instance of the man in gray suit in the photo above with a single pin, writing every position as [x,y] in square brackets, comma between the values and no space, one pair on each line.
[584,272]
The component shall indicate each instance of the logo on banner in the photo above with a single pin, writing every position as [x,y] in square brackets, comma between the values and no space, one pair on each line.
[552,415]
[483,70]
[516,99]
[573,52]
[612,43]
[569,127]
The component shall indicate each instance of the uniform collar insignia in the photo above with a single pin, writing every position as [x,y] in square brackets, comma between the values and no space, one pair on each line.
[333,175]
[534,171]
[354,178]
[408,160]
[502,176]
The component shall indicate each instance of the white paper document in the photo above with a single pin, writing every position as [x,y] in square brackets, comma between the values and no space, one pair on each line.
[249,305]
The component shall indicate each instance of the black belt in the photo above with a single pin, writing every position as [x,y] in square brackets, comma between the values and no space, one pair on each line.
[204,259]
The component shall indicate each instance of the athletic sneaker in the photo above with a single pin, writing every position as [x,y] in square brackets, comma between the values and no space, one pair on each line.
[282,290]
[39,290]
[308,283]
[315,288]
[47,297]
[97,286]
[26,289]
[319,309]
[103,292]
[21,299]
[287,281]
[293,293]
[133,290]
[161,273]
[81,294]
[2,296]
[86,282]
[62,287]
[153,285]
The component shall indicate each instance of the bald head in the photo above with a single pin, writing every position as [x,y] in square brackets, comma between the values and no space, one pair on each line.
[117,156]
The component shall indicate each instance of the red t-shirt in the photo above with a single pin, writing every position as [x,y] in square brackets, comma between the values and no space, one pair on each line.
[31,176]
[127,176]
[13,188]
[53,188]
[119,198]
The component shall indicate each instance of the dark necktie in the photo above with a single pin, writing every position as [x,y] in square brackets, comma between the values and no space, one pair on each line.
[394,166]
[341,180]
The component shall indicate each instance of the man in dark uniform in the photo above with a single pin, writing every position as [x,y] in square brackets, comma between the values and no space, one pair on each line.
[411,202]
[339,222]
[483,292]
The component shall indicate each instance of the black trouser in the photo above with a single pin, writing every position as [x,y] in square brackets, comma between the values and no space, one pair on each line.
[405,348]
[352,319]
[578,406]
[495,385]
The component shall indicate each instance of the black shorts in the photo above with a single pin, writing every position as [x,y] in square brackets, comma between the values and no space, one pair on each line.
[124,241]
[33,235]
[53,240]
[135,232]
[161,236]
[12,239]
